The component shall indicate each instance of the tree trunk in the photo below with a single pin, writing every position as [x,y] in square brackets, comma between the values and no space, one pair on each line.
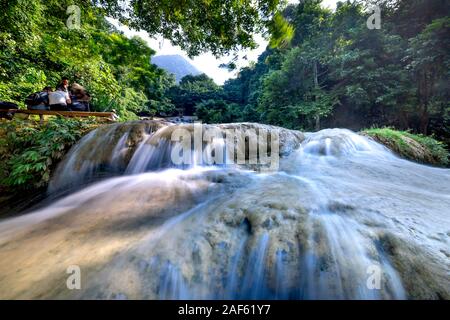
[404,120]
[316,86]
[424,96]
[424,120]
[317,118]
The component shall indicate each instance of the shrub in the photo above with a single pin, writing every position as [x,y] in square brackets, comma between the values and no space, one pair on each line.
[29,151]
[417,147]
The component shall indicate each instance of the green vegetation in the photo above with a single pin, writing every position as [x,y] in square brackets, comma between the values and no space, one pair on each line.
[322,69]
[37,49]
[415,147]
[192,91]
[29,151]
[338,73]
[197,25]
[218,111]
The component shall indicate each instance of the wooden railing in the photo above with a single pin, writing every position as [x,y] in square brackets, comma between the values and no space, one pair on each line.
[108,115]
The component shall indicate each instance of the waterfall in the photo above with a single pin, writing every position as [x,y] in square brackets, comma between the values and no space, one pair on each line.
[341,217]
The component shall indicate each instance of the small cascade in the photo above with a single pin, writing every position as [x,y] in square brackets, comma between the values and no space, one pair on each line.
[144,146]
[104,152]
[339,142]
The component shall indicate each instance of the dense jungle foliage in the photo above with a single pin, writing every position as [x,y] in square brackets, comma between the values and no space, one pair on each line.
[336,72]
[37,49]
[324,69]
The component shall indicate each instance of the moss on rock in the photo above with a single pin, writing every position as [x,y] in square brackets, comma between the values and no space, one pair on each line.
[415,147]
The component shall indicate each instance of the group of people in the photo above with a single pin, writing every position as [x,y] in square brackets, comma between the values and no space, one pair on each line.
[64,98]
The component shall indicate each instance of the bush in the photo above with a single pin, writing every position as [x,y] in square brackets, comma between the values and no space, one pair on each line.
[29,151]
[218,111]
[416,147]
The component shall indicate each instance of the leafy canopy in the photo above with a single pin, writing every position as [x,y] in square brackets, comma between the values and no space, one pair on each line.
[203,25]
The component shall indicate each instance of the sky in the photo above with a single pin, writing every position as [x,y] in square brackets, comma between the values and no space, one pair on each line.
[206,62]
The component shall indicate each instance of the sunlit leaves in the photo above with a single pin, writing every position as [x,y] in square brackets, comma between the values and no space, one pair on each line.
[198,25]
[28,150]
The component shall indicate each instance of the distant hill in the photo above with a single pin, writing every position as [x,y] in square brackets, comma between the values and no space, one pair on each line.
[177,65]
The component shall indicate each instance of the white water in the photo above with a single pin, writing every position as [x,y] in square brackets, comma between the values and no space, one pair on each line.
[339,206]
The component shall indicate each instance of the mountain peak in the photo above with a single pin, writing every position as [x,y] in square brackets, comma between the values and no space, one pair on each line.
[175,64]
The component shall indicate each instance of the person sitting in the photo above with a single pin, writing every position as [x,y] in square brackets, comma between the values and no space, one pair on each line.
[63,85]
[39,100]
[7,109]
[115,117]
[80,98]
[59,100]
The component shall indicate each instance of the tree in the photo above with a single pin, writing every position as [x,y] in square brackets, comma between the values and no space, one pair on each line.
[298,86]
[191,91]
[218,111]
[37,49]
[293,96]
[197,25]
[429,60]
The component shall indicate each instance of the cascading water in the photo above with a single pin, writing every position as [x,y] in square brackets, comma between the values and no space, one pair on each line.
[342,218]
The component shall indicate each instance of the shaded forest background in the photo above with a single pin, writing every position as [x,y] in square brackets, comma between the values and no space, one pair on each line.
[338,73]
[334,71]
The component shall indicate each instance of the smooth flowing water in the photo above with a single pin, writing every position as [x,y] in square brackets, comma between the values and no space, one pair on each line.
[342,218]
